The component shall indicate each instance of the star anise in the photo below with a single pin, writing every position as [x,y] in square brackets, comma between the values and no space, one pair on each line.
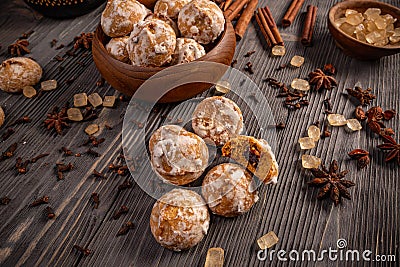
[375,115]
[331,183]
[84,40]
[321,80]
[393,147]
[364,96]
[19,48]
[57,119]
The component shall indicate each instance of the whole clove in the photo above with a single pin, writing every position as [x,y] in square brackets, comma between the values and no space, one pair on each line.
[93,141]
[36,158]
[9,152]
[66,151]
[248,54]
[21,166]
[7,134]
[125,185]
[96,200]
[50,212]
[328,104]
[4,200]
[84,251]
[249,68]
[325,132]
[100,82]
[93,153]
[125,228]
[122,210]
[61,168]
[40,201]
[24,119]
[98,174]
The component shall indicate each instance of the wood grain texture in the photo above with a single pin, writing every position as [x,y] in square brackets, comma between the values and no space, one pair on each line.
[290,209]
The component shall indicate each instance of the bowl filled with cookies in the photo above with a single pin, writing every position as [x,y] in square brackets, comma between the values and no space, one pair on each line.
[135,40]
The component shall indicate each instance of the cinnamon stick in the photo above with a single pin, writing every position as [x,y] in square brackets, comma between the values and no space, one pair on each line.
[292,12]
[272,25]
[235,9]
[244,20]
[268,35]
[227,3]
[264,33]
[309,24]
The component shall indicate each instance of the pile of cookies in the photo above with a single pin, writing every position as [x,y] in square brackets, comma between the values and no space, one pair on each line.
[180,218]
[173,34]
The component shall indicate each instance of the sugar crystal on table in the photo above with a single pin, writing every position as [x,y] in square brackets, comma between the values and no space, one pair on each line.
[278,50]
[95,100]
[300,84]
[80,100]
[222,87]
[310,162]
[215,257]
[74,114]
[297,61]
[48,85]
[268,240]
[314,132]
[306,143]
[92,129]
[109,101]
[28,91]
[354,124]
[337,120]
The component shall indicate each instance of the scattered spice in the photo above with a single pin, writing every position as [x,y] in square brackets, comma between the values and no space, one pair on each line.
[122,210]
[66,151]
[89,114]
[362,157]
[53,43]
[96,199]
[375,115]
[21,166]
[57,119]
[331,182]
[93,153]
[125,228]
[92,140]
[98,174]
[69,81]
[248,54]
[24,119]
[40,201]
[19,48]
[83,251]
[364,96]
[36,158]
[321,81]
[359,113]
[249,68]
[61,168]
[100,82]
[26,35]
[280,125]
[5,200]
[50,212]
[328,105]
[7,134]
[58,58]
[393,147]
[282,66]
[60,47]
[125,185]
[325,133]
[9,152]
[83,41]
[108,127]
[329,69]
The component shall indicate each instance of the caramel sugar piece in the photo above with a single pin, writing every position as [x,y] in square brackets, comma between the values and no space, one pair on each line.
[215,257]
[268,240]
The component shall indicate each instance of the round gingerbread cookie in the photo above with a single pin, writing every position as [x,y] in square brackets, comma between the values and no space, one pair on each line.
[170,8]
[151,43]
[187,50]
[166,19]
[201,20]
[217,119]
[116,47]
[179,219]
[178,156]
[229,190]
[18,72]
[119,17]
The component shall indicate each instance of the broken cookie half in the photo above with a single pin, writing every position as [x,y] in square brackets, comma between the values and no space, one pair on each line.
[254,154]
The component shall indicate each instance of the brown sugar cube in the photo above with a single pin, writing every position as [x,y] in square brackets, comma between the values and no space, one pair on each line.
[215,257]
[268,240]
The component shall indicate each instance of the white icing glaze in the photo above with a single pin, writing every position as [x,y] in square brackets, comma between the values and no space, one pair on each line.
[179,219]
[187,50]
[201,20]
[119,16]
[151,42]
[217,119]
[170,8]
[17,72]
[228,190]
[117,48]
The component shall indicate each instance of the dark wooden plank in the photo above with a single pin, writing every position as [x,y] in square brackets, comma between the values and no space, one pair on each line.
[290,209]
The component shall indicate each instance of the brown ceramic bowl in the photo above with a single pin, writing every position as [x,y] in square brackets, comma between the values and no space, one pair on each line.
[353,47]
[127,78]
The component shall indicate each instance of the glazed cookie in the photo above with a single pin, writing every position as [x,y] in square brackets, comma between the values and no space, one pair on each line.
[187,50]
[116,47]
[229,190]
[201,20]
[170,8]
[178,156]
[151,43]
[166,19]
[119,17]
[179,219]
[254,154]
[217,119]
[18,72]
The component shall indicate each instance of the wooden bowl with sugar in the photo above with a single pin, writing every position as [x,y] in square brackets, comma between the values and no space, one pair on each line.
[354,47]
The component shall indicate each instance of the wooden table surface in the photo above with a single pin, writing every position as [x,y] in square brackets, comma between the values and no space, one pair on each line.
[370,221]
